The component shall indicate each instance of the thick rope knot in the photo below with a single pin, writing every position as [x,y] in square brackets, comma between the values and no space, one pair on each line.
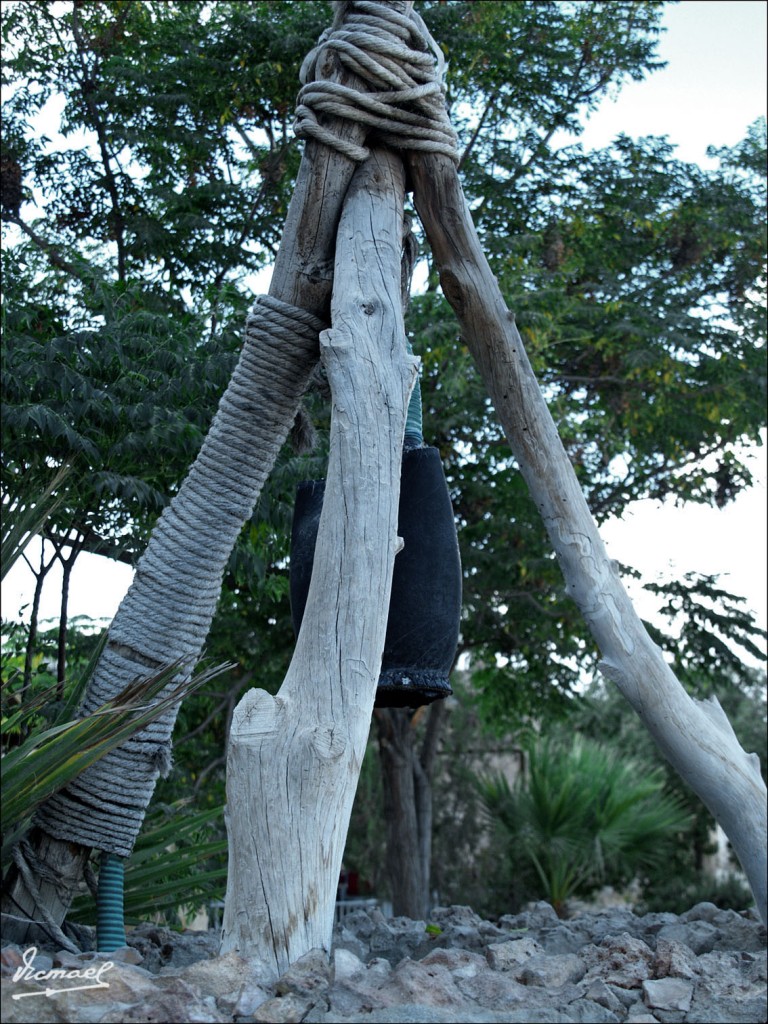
[402,66]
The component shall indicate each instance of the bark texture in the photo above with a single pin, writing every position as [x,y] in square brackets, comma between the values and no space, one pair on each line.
[695,736]
[294,760]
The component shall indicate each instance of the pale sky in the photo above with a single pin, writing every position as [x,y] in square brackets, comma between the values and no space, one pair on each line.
[713,88]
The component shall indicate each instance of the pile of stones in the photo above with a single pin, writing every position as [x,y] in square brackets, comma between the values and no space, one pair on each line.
[705,965]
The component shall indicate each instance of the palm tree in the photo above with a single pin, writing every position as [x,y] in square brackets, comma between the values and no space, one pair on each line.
[581,816]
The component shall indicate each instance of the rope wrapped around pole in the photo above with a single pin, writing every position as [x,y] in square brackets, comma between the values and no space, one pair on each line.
[181,573]
[167,612]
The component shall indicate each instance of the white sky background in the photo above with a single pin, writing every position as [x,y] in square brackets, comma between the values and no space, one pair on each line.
[713,88]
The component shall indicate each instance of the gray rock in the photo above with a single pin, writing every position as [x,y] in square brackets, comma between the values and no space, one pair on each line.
[476,980]
[309,976]
[700,936]
[358,923]
[412,1013]
[638,1013]
[668,994]
[593,968]
[161,947]
[425,985]
[124,955]
[394,938]
[359,988]
[493,990]
[566,938]
[171,1000]
[507,956]
[586,1012]
[346,966]
[620,960]
[739,931]
[551,972]
[674,960]
[701,912]
[238,985]
[345,938]
[64,1000]
[596,991]
[286,1009]
[626,996]
[456,916]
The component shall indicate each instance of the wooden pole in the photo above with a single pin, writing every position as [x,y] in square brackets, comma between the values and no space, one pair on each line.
[695,736]
[294,760]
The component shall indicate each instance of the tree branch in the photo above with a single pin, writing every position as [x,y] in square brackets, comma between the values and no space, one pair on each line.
[57,260]
[690,734]
[87,88]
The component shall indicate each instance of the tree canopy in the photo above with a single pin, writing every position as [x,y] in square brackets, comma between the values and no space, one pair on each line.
[132,230]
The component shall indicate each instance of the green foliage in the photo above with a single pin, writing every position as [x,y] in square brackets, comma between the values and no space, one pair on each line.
[715,635]
[24,518]
[582,815]
[635,279]
[49,759]
[673,894]
[45,746]
[468,859]
[124,401]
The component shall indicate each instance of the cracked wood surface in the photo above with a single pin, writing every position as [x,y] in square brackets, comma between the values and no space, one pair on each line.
[294,760]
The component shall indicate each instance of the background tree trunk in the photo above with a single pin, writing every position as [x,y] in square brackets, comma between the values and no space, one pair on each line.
[406,772]
[405,867]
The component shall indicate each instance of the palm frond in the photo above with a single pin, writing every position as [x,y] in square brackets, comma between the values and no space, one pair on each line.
[48,760]
[24,517]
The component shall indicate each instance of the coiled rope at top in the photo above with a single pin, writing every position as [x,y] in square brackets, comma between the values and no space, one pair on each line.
[404,68]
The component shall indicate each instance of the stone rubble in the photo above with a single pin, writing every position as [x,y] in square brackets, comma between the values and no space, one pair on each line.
[707,965]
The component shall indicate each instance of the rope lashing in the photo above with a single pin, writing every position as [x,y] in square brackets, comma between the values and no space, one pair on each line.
[104,806]
[110,925]
[278,322]
[402,65]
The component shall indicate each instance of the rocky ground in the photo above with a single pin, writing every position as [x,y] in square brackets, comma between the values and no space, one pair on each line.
[611,965]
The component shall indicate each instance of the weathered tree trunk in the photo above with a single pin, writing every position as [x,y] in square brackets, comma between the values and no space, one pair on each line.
[39,575]
[406,771]
[294,760]
[695,736]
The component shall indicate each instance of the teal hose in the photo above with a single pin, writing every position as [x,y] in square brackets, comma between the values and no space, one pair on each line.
[110,926]
[414,436]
